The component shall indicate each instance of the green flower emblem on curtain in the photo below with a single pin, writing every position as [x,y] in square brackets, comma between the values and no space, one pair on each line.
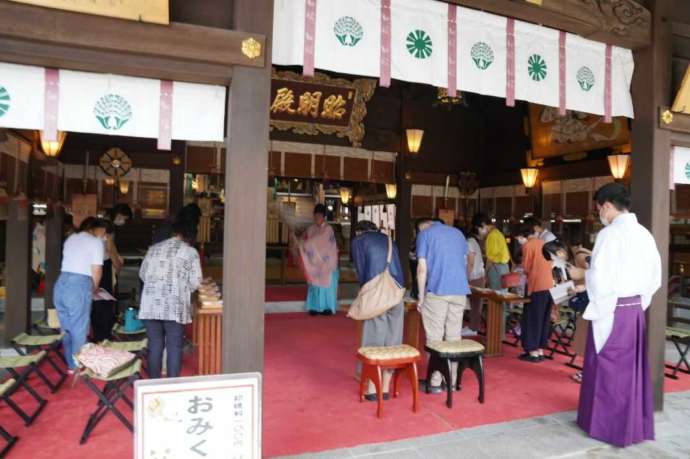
[4,100]
[348,31]
[585,78]
[536,67]
[112,111]
[419,44]
[482,55]
[687,170]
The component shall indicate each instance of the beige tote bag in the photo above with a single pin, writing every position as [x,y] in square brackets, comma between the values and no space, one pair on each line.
[379,294]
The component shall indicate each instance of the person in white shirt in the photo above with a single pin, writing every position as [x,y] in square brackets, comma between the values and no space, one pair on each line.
[616,404]
[477,278]
[544,233]
[80,275]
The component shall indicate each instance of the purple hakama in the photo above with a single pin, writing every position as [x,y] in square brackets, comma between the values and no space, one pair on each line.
[616,404]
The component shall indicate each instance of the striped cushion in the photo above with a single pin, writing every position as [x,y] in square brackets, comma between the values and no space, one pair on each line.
[17,361]
[465,346]
[383,353]
[674,332]
[24,339]
[120,330]
[5,386]
[123,373]
[130,346]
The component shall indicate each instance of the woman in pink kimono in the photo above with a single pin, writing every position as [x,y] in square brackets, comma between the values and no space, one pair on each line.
[319,253]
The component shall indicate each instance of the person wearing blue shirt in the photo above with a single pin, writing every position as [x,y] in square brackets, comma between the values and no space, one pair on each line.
[443,286]
[369,254]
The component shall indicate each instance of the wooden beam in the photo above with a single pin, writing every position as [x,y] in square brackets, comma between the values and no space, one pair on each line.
[580,169]
[673,121]
[89,60]
[180,44]
[626,24]
[246,176]
[650,172]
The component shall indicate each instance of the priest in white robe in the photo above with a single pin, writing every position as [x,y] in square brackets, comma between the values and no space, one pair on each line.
[616,404]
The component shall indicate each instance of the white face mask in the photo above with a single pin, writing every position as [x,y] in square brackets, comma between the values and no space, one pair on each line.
[119,220]
[602,219]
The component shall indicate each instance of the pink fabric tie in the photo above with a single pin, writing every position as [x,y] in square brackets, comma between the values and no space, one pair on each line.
[50,104]
[385,73]
[309,36]
[165,116]
[510,63]
[607,86]
[561,73]
[452,50]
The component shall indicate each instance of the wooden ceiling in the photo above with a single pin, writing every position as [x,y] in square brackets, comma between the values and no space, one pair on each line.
[625,23]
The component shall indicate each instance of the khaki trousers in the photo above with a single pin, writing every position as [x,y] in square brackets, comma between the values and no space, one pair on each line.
[442,319]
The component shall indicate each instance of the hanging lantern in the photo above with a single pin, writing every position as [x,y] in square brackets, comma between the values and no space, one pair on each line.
[109,181]
[414,139]
[124,186]
[52,148]
[345,195]
[391,190]
[529,176]
[618,165]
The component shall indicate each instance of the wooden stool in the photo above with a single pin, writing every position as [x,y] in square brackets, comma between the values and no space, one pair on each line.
[397,358]
[467,353]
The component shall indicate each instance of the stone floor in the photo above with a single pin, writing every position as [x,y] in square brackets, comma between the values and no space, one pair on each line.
[554,436]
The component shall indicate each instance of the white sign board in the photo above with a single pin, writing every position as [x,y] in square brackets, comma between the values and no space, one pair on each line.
[681,165]
[211,417]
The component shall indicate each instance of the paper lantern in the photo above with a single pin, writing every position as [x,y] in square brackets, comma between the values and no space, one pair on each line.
[52,148]
[391,190]
[414,139]
[529,176]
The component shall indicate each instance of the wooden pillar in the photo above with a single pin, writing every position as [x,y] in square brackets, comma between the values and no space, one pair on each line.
[403,216]
[177,177]
[17,267]
[246,177]
[403,202]
[650,170]
[53,224]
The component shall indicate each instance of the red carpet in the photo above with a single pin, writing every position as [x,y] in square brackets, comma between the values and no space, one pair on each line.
[286,293]
[310,399]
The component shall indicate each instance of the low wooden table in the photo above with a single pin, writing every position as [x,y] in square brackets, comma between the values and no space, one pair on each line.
[495,317]
[207,335]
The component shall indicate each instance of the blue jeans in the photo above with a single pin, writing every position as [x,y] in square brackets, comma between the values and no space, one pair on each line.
[168,334]
[72,298]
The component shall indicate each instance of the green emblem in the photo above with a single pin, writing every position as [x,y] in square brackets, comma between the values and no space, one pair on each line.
[348,31]
[482,55]
[419,44]
[536,67]
[585,78]
[112,111]
[687,170]
[4,101]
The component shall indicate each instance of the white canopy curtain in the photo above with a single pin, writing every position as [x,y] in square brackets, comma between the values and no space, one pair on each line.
[414,40]
[110,104]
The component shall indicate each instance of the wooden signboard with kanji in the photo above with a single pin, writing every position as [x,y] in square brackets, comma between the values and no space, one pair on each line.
[320,105]
[155,11]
